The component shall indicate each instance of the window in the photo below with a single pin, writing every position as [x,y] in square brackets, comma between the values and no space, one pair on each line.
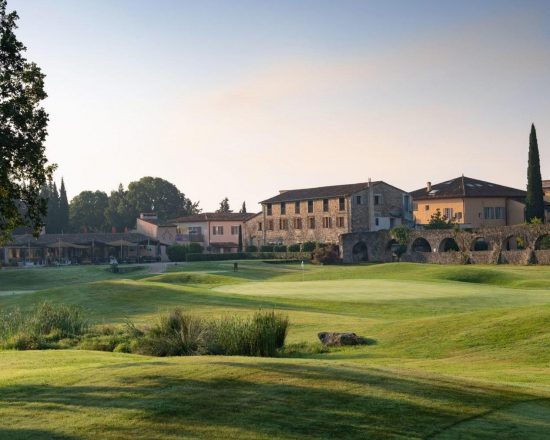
[458,215]
[426,207]
[499,213]
[298,223]
[297,207]
[488,213]
[283,224]
[234,230]
[310,206]
[195,230]
[311,222]
[415,206]
[259,226]
[339,222]
[217,230]
[448,213]
[269,209]
[357,200]
[327,222]
[283,208]
[342,204]
[377,199]
[325,205]
[377,221]
[270,225]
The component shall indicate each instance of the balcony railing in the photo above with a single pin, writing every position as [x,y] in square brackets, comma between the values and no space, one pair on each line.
[190,238]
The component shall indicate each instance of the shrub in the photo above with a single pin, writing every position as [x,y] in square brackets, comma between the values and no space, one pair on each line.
[294,247]
[309,246]
[194,248]
[251,248]
[176,252]
[266,248]
[280,248]
[328,254]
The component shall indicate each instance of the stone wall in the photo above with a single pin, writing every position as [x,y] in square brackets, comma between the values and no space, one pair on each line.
[452,246]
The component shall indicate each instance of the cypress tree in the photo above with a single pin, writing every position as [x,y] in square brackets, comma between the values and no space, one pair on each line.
[534,204]
[240,245]
[243,208]
[52,220]
[63,209]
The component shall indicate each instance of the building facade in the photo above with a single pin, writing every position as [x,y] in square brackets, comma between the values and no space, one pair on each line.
[471,203]
[215,232]
[322,214]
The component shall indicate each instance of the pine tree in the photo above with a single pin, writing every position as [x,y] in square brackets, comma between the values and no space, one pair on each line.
[534,204]
[63,213]
[243,208]
[224,206]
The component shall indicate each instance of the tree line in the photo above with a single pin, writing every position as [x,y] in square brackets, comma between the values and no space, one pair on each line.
[96,211]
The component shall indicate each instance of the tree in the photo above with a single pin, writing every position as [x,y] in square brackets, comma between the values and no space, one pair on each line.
[439,221]
[24,168]
[243,208]
[240,245]
[63,212]
[224,206]
[118,214]
[52,217]
[88,211]
[534,203]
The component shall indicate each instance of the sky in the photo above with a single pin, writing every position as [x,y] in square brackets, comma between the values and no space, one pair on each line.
[241,99]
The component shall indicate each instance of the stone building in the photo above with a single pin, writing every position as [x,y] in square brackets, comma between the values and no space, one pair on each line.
[322,214]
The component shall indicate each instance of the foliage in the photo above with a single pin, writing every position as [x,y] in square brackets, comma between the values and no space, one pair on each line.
[195,248]
[327,254]
[63,215]
[177,252]
[545,243]
[240,242]
[439,221]
[267,248]
[402,234]
[534,202]
[294,247]
[41,327]
[280,248]
[243,208]
[224,206]
[241,256]
[251,248]
[309,246]
[24,170]
[87,211]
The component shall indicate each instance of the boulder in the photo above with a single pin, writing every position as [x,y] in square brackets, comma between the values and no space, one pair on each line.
[339,339]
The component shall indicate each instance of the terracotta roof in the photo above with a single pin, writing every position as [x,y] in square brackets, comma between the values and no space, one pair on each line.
[83,238]
[466,187]
[214,216]
[322,192]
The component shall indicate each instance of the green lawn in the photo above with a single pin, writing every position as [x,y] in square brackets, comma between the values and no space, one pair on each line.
[461,352]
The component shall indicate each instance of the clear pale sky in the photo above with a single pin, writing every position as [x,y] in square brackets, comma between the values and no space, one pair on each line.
[243,98]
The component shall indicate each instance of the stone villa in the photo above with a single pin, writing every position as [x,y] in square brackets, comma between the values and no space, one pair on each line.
[322,214]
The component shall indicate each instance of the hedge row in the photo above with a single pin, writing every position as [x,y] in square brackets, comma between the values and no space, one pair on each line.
[250,256]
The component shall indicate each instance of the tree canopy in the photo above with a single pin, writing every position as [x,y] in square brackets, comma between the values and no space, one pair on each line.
[224,206]
[534,204]
[88,211]
[24,168]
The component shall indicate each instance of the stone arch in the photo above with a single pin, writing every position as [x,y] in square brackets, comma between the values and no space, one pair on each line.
[360,252]
[420,244]
[542,243]
[515,242]
[448,244]
[481,244]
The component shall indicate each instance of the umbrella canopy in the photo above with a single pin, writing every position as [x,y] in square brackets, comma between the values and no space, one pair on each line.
[65,244]
[121,243]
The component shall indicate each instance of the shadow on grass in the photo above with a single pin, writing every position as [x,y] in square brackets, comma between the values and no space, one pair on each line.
[268,399]
[32,434]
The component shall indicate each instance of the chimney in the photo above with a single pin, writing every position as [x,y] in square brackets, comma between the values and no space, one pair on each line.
[428,186]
